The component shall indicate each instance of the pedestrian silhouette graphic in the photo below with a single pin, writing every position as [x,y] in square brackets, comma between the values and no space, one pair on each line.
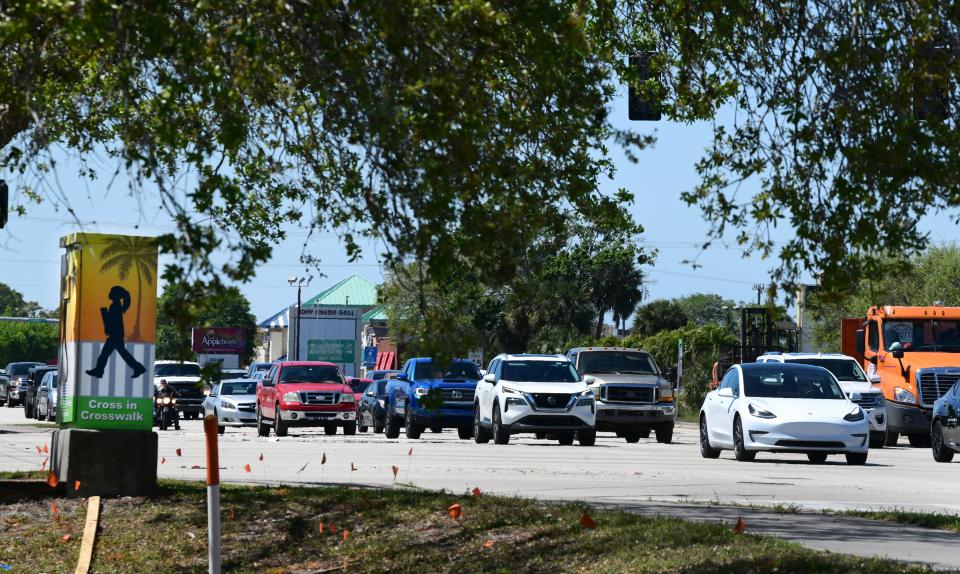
[113,327]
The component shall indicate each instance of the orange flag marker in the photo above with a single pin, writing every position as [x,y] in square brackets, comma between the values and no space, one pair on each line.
[43,464]
[353,467]
[39,450]
[54,508]
[46,450]
[261,457]
[179,453]
[488,544]
[66,538]
[52,480]
[395,471]
[320,528]
[586,521]
[76,485]
[410,452]
[346,534]
[323,460]
[163,460]
[476,491]
[303,468]
[740,527]
[455,511]
[246,467]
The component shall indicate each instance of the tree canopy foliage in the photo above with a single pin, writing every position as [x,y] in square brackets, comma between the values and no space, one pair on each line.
[28,342]
[935,276]
[12,304]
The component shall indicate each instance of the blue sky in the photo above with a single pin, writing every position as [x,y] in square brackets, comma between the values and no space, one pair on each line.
[29,252]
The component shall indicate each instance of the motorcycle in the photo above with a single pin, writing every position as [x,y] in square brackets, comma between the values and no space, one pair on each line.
[165,413]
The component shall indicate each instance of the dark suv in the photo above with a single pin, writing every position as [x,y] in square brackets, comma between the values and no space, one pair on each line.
[16,373]
[31,387]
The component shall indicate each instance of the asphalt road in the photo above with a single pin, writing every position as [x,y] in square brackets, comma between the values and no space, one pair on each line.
[646,478]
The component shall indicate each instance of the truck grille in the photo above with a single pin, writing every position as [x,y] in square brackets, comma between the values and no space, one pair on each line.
[934,385]
[630,394]
[319,398]
[869,400]
[457,395]
[551,400]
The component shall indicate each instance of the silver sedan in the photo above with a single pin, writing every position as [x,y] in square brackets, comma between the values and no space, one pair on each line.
[233,402]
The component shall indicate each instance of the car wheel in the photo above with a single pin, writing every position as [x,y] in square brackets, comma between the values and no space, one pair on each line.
[480,434]
[587,437]
[565,439]
[390,427]
[350,428]
[330,429]
[632,436]
[857,458]
[51,414]
[740,451]
[817,457]
[919,440]
[279,427]
[664,433]
[877,439]
[436,429]
[360,426]
[377,426]
[465,433]
[411,429]
[221,429]
[500,434]
[706,451]
[262,428]
[891,438]
[941,452]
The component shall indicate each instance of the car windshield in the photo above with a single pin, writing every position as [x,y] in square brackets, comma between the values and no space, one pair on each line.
[615,362]
[923,335]
[238,388]
[358,386]
[843,369]
[311,374]
[262,367]
[455,371]
[176,370]
[786,383]
[21,369]
[378,375]
[540,371]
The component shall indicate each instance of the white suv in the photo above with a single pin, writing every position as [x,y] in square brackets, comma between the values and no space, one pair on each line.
[853,381]
[541,394]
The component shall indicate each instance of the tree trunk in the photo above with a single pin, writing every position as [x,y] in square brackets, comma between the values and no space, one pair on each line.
[136,326]
[599,331]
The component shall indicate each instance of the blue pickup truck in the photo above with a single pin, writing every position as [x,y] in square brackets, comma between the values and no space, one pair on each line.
[427,395]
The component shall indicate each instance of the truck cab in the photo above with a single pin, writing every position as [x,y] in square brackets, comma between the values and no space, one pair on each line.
[633,397]
[429,395]
[913,353]
[184,377]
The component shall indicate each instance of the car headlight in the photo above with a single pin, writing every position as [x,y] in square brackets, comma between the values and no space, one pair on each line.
[585,399]
[228,406]
[514,401]
[760,413]
[291,397]
[903,396]
[206,392]
[421,391]
[348,398]
[509,391]
[855,415]
[167,400]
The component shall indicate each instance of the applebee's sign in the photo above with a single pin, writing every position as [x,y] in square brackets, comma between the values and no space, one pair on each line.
[231,340]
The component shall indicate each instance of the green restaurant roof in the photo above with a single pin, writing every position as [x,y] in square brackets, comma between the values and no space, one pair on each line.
[354,291]
[378,313]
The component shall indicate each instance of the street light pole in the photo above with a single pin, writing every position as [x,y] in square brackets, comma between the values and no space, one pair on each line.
[300,282]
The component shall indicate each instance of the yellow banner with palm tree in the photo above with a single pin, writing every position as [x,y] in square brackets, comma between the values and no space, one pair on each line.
[109,330]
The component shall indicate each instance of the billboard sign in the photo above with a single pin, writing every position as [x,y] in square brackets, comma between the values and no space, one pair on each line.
[330,334]
[226,340]
[108,331]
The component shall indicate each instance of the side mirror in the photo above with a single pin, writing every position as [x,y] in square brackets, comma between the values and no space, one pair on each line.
[490,378]
[861,345]
[896,350]
[212,394]
[402,377]
[589,379]
[874,379]
[371,393]
[725,392]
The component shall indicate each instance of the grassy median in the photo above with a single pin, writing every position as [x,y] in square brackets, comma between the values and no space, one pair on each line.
[316,530]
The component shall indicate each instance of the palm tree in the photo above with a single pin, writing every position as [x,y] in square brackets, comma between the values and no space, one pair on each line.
[128,253]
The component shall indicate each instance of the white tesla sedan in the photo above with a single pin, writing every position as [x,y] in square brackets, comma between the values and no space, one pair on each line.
[782,407]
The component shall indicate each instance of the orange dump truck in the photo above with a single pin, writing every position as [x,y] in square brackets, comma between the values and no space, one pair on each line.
[913,353]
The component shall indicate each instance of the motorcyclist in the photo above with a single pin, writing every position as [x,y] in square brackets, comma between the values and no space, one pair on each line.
[166,391]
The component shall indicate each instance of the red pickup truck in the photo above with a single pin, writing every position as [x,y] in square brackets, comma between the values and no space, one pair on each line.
[305,394]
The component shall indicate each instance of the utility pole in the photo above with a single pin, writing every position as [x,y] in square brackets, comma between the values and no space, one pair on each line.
[300,282]
[758,287]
